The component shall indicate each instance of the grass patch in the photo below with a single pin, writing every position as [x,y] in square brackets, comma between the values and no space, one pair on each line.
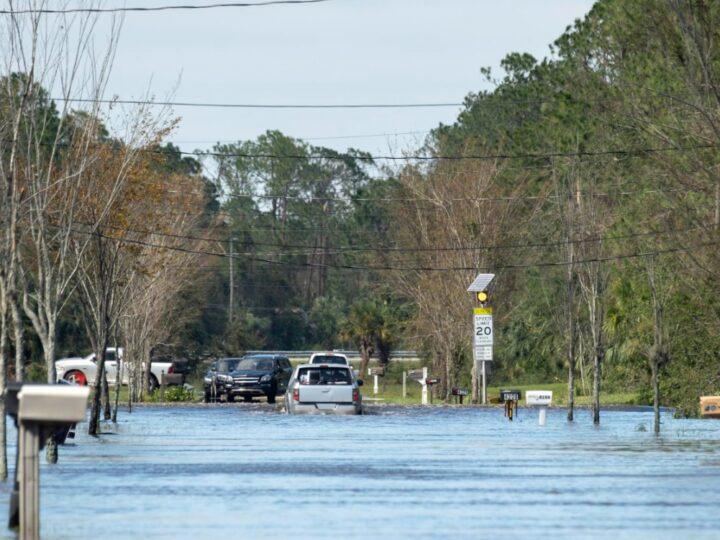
[390,391]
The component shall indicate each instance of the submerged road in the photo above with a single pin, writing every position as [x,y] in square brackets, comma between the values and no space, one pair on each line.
[246,471]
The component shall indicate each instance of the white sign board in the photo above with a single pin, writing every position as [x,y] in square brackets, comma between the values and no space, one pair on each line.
[483,327]
[538,397]
[483,354]
[482,334]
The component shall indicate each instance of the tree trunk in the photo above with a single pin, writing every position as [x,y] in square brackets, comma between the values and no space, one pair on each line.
[19,335]
[94,423]
[475,386]
[571,333]
[656,393]
[597,376]
[49,344]
[3,363]
[365,353]
[107,413]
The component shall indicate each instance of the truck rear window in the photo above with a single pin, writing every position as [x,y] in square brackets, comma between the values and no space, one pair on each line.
[329,359]
[325,375]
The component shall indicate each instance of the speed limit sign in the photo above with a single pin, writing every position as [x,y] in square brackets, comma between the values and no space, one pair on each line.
[483,327]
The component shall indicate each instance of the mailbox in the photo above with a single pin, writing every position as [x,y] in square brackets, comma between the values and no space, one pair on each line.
[52,404]
[510,398]
[538,397]
[510,395]
[541,398]
[430,381]
[415,375]
[376,371]
[460,392]
[40,410]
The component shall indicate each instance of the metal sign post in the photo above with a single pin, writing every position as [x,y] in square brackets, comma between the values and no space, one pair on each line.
[482,343]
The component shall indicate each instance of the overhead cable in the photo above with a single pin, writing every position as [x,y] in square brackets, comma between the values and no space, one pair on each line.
[156,8]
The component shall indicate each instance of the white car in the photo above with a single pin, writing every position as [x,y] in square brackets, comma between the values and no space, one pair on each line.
[329,358]
[82,371]
[323,388]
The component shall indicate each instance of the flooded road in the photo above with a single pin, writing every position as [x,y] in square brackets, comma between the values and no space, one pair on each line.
[245,471]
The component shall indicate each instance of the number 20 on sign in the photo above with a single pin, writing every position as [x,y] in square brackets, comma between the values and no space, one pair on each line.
[483,327]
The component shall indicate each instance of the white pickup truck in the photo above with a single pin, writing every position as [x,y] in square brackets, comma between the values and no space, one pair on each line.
[82,371]
[323,388]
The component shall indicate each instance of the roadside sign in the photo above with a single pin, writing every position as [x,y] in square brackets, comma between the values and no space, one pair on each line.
[483,334]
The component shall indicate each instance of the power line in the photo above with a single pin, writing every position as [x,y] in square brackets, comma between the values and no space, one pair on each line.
[395,249]
[262,105]
[628,152]
[157,8]
[310,199]
[539,264]
[343,156]
[325,138]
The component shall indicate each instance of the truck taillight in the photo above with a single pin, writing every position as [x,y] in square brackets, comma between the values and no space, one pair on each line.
[171,369]
[296,394]
[356,394]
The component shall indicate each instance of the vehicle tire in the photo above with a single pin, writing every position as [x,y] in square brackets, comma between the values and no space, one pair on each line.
[247,399]
[207,397]
[76,377]
[153,383]
[230,398]
[272,394]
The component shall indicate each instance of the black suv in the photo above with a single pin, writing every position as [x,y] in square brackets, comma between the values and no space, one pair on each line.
[259,375]
[218,377]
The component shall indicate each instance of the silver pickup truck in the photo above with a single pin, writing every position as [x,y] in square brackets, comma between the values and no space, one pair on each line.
[323,388]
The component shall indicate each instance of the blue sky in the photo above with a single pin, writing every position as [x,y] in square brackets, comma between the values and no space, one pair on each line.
[340,51]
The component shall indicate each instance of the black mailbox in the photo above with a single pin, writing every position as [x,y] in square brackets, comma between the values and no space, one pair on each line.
[510,395]
[460,392]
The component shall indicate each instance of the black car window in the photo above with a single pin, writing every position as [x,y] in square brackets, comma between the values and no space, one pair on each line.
[109,356]
[325,375]
[226,364]
[255,363]
[328,359]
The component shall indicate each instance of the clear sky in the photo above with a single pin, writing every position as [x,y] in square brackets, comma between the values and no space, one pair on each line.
[335,52]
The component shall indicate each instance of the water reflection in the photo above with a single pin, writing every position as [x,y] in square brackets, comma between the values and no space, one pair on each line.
[246,471]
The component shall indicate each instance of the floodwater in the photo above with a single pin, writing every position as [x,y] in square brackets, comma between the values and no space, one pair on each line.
[246,471]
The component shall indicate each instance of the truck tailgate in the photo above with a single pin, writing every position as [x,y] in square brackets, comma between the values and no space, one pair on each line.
[326,394]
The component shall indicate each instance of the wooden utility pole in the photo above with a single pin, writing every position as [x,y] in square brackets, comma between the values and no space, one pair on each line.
[231,299]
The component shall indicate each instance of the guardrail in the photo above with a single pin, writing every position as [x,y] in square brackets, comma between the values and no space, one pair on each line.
[396,356]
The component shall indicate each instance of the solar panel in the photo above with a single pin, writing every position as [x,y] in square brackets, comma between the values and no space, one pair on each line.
[481,282]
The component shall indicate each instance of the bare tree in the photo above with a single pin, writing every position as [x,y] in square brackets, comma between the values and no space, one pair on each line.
[66,63]
[162,267]
[593,276]
[451,214]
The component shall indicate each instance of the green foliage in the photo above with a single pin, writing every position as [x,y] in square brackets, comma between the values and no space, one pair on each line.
[173,394]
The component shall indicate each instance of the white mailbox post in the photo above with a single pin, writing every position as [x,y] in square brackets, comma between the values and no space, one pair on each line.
[41,410]
[421,376]
[541,399]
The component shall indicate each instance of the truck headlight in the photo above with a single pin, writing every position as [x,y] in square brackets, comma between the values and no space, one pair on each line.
[266,378]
